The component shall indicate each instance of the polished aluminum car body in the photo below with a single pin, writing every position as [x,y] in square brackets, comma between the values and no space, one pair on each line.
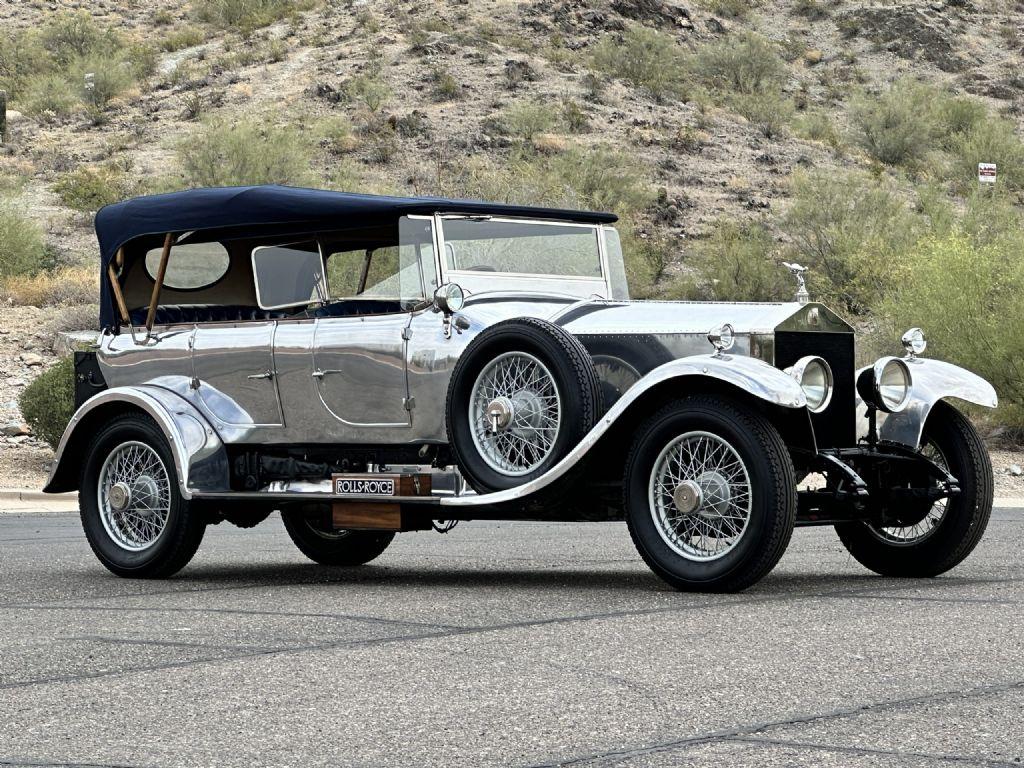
[374,376]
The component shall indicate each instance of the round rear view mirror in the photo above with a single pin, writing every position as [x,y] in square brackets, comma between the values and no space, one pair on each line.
[449,298]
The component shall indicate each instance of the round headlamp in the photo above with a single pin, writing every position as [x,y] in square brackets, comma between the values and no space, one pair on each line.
[722,338]
[914,342]
[815,378]
[886,385]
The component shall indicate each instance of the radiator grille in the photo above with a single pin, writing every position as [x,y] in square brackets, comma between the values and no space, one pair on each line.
[834,427]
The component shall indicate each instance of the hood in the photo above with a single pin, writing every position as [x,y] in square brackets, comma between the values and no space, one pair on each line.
[598,317]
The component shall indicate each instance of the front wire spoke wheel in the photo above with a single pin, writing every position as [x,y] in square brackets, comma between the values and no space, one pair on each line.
[907,535]
[700,496]
[134,496]
[515,412]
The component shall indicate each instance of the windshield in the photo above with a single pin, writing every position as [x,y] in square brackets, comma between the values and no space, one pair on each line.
[520,247]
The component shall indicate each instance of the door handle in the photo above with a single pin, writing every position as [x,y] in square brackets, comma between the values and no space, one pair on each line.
[264,375]
[319,374]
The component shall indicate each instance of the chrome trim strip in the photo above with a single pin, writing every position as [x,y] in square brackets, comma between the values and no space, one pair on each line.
[754,376]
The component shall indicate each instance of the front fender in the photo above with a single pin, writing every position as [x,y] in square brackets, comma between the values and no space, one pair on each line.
[199,456]
[751,375]
[932,381]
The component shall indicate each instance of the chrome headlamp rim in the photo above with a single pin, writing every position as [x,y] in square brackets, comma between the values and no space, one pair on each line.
[722,337]
[799,371]
[914,342]
[875,382]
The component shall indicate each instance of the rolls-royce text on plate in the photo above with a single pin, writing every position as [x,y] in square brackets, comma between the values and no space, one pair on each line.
[370,365]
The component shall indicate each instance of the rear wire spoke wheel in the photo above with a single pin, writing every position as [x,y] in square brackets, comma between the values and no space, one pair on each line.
[133,514]
[952,527]
[710,494]
[134,496]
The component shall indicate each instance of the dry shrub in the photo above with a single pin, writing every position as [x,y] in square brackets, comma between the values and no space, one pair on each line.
[67,286]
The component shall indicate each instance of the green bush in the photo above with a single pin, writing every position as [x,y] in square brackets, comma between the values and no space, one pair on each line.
[69,36]
[244,152]
[991,141]
[739,262]
[45,67]
[982,284]
[446,87]
[183,37]
[49,93]
[818,126]
[910,120]
[48,403]
[110,77]
[88,189]
[246,15]
[22,247]
[851,231]
[646,59]
[526,119]
[897,127]
[768,112]
[744,63]
[959,116]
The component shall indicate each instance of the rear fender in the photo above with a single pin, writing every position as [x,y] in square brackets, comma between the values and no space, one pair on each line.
[199,456]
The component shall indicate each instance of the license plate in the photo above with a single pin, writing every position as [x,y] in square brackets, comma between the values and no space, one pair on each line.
[366,485]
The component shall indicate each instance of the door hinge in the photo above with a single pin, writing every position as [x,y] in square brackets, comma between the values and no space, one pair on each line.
[406,333]
[409,403]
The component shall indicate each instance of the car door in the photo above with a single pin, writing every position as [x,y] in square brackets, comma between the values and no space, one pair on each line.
[233,365]
[359,368]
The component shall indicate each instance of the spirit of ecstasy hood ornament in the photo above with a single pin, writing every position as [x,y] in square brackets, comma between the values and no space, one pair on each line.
[801,283]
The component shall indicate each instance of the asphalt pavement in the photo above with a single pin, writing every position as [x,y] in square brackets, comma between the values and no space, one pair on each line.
[502,644]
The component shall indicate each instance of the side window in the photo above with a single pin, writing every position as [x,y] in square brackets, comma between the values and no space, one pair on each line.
[190,267]
[364,273]
[287,275]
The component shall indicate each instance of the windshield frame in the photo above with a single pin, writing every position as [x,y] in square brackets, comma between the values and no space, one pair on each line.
[453,275]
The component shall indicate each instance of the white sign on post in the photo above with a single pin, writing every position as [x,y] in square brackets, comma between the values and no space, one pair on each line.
[986,173]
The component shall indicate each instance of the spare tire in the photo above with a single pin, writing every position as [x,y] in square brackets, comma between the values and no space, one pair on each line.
[522,395]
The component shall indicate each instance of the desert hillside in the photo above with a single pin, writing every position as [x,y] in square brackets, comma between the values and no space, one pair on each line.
[728,135]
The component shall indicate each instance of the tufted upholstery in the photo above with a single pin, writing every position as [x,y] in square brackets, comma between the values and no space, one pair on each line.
[207,313]
[355,307]
[230,313]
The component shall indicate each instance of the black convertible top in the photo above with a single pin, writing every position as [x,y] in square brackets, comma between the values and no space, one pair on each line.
[225,208]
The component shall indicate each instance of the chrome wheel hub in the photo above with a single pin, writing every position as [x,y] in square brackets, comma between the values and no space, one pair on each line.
[499,414]
[120,496]
[515,413]
[687,497]
[700,496]
[134,496]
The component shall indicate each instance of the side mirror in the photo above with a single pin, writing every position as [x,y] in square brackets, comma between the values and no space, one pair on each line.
[449,298]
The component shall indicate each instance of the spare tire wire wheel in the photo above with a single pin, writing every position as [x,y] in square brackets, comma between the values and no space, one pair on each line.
[516,412]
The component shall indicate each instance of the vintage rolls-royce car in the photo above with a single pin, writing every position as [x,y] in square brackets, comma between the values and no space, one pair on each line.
[369,365]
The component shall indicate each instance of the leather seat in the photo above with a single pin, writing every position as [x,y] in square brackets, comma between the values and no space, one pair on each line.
[170,314]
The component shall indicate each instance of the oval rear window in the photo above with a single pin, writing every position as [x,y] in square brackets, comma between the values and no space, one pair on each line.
[190,267]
